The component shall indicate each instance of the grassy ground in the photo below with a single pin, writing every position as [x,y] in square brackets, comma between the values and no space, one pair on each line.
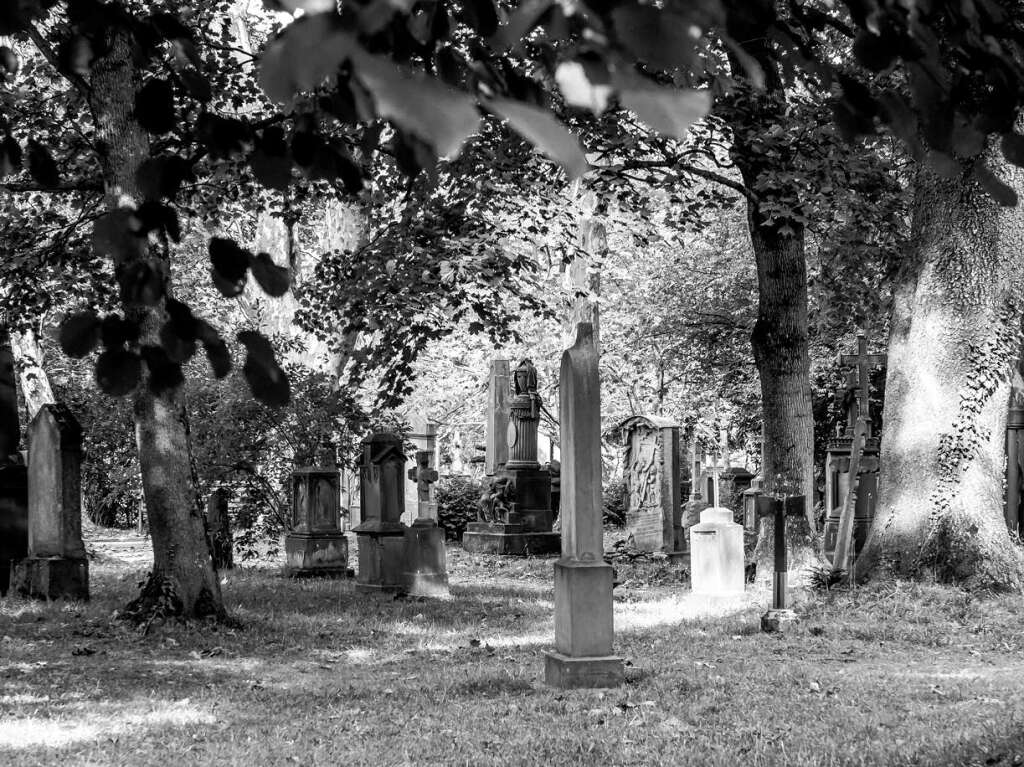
[320,675]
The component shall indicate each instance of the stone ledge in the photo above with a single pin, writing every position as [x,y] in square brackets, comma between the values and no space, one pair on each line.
[514,544]
[569,673]
[51,578]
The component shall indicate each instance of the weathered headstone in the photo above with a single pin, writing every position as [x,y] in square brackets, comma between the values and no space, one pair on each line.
[315,545]
[1015,456]
[584,630]
[423,436]
[515,515]
[496,425]
[56,566]
[426,566]
[855,399]
[381,534]
[13,476]
[651,474]
[218,524]
[716,554]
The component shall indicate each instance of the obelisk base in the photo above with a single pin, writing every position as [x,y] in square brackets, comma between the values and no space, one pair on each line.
[316,554]
[508,538]
[381,562]
[583,627]
[51,578]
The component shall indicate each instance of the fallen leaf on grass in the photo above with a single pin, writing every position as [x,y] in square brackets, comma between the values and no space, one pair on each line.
[83,651]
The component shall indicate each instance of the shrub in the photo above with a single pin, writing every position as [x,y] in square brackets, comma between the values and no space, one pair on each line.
[613,503]
[457,499]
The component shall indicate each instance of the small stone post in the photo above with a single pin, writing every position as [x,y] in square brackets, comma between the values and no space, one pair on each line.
[496,427]
[584,631]
[779,616]
[56,566]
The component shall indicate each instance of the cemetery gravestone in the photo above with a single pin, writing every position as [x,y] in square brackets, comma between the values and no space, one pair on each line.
[426,566]
[779,616]
[423,436]
[381,534]
[584,630]
[56,566]
[13,475]
[316,545]
[1015,457]
[496,426]
[652,479]
[218,523]
[716,554]
[515,515]
[855,399]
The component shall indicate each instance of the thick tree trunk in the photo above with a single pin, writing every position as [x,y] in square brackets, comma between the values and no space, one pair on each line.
[183,581]
[954,340]
[28,361]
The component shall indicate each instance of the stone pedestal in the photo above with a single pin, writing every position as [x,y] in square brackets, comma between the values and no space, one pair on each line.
[316,545]
[51,578]
[381,534]
[584,630]
[56,566]
[426,565]
[13,519]
[716,555]
[508,538]
[777,621]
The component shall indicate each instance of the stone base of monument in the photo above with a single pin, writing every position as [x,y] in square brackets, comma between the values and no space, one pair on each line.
[583,627]
[426,566]
[381,563]
[502,538]
[569,673]
[777,621]
[51,578]
[313,554]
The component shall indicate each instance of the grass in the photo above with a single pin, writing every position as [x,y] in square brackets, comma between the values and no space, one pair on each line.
[317,674]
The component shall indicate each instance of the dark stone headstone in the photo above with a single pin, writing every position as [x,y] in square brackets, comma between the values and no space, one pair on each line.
[13,520]
[218,522]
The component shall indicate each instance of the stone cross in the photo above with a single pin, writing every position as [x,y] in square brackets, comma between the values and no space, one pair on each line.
[779,509]
[583,580]
[863,362]
[424,475]
[496,427]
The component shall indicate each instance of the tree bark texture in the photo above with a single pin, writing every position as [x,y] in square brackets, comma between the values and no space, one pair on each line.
[28,361]
[183,581]
[954,340]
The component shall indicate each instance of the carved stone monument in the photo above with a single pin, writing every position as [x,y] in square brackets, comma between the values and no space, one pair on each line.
[426,565]
[56,566]
[13,474]
[515,510]
[423,435]
[381,534]
[854,397]
[584,631]
[652,476]
[316,545]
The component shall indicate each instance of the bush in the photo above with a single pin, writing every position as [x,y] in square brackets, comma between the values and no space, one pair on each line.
[613,503]
[457,499]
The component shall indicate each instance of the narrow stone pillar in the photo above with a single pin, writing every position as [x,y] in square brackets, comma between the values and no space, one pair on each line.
[56,566]
[584,631]
[496,426]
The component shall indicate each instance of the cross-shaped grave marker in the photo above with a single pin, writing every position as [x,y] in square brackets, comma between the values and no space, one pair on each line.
[863,363]
[424,475]
[779,508]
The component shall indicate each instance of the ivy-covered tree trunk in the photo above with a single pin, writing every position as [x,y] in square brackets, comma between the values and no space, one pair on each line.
[954,340]
[183,581]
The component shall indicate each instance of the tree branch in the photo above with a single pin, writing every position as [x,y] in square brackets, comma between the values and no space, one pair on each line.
[48,53]
[70,186]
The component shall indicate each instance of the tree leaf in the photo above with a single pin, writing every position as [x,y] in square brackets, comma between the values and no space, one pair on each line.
[303,56]
[10,157]
[114,236]
[41,165]
[1013,148]
[142,281]
[154,106]
[79,334]
[481,15]
[578,90]
[274,279]
[219,356]
[656,36]
[117,331]
[267,380]
[178,349]
[230,264]
[273,171]
[669,111]
[118,372]
[540,128]
[522,20]
[164,373]
[420,105]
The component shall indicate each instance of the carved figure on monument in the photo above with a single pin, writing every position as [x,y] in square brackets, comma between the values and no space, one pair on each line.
[496,500]
[651,459]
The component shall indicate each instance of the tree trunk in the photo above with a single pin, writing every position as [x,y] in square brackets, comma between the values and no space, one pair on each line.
[954,340]
[28,361]
[183,581]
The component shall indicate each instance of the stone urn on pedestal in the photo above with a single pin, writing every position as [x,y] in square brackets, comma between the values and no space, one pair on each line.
[515,514]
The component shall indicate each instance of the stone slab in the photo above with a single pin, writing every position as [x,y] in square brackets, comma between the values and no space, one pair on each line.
[426,566]
[580,673]
[311,554]
[51,578]
[777,621]
[381,563]
[583,608]
[514,544]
